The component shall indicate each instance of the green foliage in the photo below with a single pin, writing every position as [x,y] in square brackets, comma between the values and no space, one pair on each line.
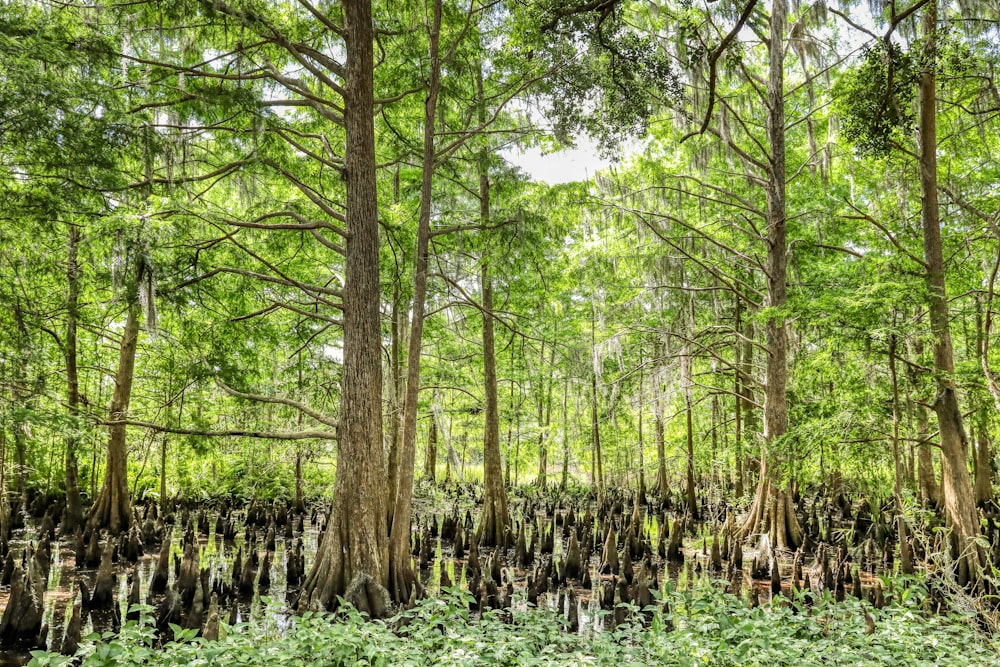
[607,79]
[708,627]
[876,98]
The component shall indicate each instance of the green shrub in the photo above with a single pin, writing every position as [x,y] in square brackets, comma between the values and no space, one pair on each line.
[703,627]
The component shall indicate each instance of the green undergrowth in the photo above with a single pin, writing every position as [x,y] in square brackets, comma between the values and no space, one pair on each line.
[701,627]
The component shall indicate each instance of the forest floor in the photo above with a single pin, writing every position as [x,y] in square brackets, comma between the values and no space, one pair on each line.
[694,616]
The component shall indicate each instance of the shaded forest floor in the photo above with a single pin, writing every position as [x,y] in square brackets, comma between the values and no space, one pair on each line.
[579,583]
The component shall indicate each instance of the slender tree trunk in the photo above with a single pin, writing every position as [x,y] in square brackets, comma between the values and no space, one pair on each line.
[983,456]
[564,482]
[642,443]
[905,559]
[738,419]
[984,459]
[352,559]
[596,462]
[686,379]
[544,422]
[496,519]
[659,433]
[430,455]
[772,510]
[401,571]
[73,515]
[959,502]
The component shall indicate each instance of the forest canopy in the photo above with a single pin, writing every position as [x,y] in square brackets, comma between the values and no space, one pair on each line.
[282,254]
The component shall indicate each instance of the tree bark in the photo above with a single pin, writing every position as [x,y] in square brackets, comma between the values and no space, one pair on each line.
[73,515]
[564,482]
[686,380]
[959,502]
[113,509]
[905,559]
[430,455]
[401,577]
[782,525]
[659,433]
[353,554]
[496,518]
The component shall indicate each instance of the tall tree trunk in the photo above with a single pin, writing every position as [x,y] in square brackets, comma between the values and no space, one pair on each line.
[545,419]
[659,433]
[565,429]
[496,519]
[905,559]
[430,454]
[73,515]
[642,443]
[401,572]
[113,509]
[687,380]
[352,559]
[772,510]
[927,484]
[959,502]
[596,460]
[983,456]
[738,418]
[983,489]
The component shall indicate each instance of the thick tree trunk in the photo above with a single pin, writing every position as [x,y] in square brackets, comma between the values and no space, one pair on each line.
[772,511]
[401,578]
[959,502]
[73,515]
[352,559]
[113,509]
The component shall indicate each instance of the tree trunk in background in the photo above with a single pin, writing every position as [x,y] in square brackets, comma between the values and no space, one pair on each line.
[747,392]
[687,379]
[983,455]
[959,502]
[905,559]
[930,490]
[495,519]
[662,485]
[564,482]
[642,443]
[353,554]
[73,515]
[738,419]
[983,489]
[772,511]
[395,417]
[597,465]
[113,509]
[430,455]
[544,422]
[401,575]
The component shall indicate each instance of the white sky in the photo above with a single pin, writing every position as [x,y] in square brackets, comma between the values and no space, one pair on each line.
[565,166]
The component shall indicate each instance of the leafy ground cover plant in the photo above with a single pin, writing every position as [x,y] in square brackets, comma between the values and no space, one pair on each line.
[703,626]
